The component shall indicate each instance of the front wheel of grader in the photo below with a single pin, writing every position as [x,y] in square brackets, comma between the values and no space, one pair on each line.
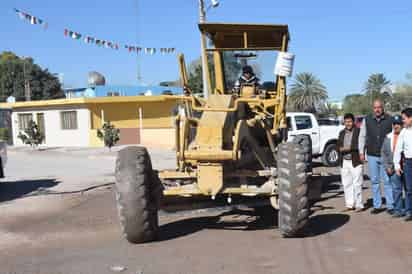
[138,191]
[292,189]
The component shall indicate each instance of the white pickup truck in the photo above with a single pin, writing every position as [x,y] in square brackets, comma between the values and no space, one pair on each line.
[3,157]
[323,137]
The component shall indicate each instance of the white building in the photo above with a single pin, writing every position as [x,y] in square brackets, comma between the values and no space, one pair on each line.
[71,126]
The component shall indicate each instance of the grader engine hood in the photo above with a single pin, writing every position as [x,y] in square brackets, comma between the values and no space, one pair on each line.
[212,144]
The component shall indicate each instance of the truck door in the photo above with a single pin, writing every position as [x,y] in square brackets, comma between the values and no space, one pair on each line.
[306,125]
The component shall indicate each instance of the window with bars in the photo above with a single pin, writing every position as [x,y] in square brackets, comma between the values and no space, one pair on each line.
[68,119]
[24,120]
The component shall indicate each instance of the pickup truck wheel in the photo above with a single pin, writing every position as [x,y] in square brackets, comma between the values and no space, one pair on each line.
[137,195]
[293,190]
[306,144]
[330,156]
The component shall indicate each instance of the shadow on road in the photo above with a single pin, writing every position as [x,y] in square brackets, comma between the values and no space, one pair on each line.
[265,217]
[261,218]
[18,189]
[324,223]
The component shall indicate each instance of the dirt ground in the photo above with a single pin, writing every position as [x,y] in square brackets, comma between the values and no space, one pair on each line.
[57,215]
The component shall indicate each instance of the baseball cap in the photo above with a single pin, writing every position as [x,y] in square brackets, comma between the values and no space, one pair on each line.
[248,69]
[397,120]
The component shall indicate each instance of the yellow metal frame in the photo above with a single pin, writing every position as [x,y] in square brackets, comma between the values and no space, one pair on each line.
[204,159]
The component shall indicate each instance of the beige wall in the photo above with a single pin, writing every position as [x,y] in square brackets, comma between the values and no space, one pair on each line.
[164,137]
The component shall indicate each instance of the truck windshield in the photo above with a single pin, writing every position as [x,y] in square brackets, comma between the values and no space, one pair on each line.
[303,122]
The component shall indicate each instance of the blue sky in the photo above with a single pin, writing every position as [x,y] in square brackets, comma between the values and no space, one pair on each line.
[342,42]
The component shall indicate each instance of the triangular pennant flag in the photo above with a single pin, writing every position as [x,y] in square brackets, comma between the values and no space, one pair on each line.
[21,15]
[33,20]
[76,35]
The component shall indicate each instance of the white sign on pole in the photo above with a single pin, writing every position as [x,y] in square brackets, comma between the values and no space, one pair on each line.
[284,64]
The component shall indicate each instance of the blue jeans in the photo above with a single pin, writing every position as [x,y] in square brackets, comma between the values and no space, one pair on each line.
[407,169]
[377,173]
[397,193]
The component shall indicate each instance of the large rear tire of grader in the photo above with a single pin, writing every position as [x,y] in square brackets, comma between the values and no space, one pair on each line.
[305,142]
[137,195]
[293,189]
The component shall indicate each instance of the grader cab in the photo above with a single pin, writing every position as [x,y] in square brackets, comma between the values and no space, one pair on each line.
[229,143]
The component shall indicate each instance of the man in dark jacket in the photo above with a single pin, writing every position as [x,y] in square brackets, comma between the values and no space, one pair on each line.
[373,131]
[351,171]
[248,77]
[388,149]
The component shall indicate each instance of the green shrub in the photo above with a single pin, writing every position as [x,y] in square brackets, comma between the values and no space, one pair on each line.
[109,135]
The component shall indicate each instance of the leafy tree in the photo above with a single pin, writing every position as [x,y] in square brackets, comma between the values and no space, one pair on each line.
[109,135]
[377,87]
[358,104]
[195,77]
[15,70]
[32,135]
[232,69]
[329,110]
[402,97]
[307,93]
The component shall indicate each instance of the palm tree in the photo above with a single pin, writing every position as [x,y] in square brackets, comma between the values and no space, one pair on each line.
[377,87]
[307,93]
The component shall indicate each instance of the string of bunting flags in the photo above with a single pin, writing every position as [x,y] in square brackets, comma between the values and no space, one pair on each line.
[93,40]
[109,44]
[30,18]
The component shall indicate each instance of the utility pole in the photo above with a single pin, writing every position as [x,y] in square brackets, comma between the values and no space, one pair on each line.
[27,91]
[202,19]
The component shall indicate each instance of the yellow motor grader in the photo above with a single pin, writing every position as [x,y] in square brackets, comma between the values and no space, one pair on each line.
[228,143]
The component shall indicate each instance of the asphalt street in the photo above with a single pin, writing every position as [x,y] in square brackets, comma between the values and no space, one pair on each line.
[47,226]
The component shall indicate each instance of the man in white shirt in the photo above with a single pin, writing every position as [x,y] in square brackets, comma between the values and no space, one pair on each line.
[404,146]
[387,150]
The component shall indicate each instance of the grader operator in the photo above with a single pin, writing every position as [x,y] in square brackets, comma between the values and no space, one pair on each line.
[227,144]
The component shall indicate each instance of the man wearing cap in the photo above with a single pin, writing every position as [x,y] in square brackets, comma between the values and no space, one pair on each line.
[248,77]
[373,131]
[387,152]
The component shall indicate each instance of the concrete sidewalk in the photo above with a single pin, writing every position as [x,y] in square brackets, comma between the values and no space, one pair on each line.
[69,169]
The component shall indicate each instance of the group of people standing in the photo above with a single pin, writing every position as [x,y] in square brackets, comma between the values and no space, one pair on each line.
[385,142]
